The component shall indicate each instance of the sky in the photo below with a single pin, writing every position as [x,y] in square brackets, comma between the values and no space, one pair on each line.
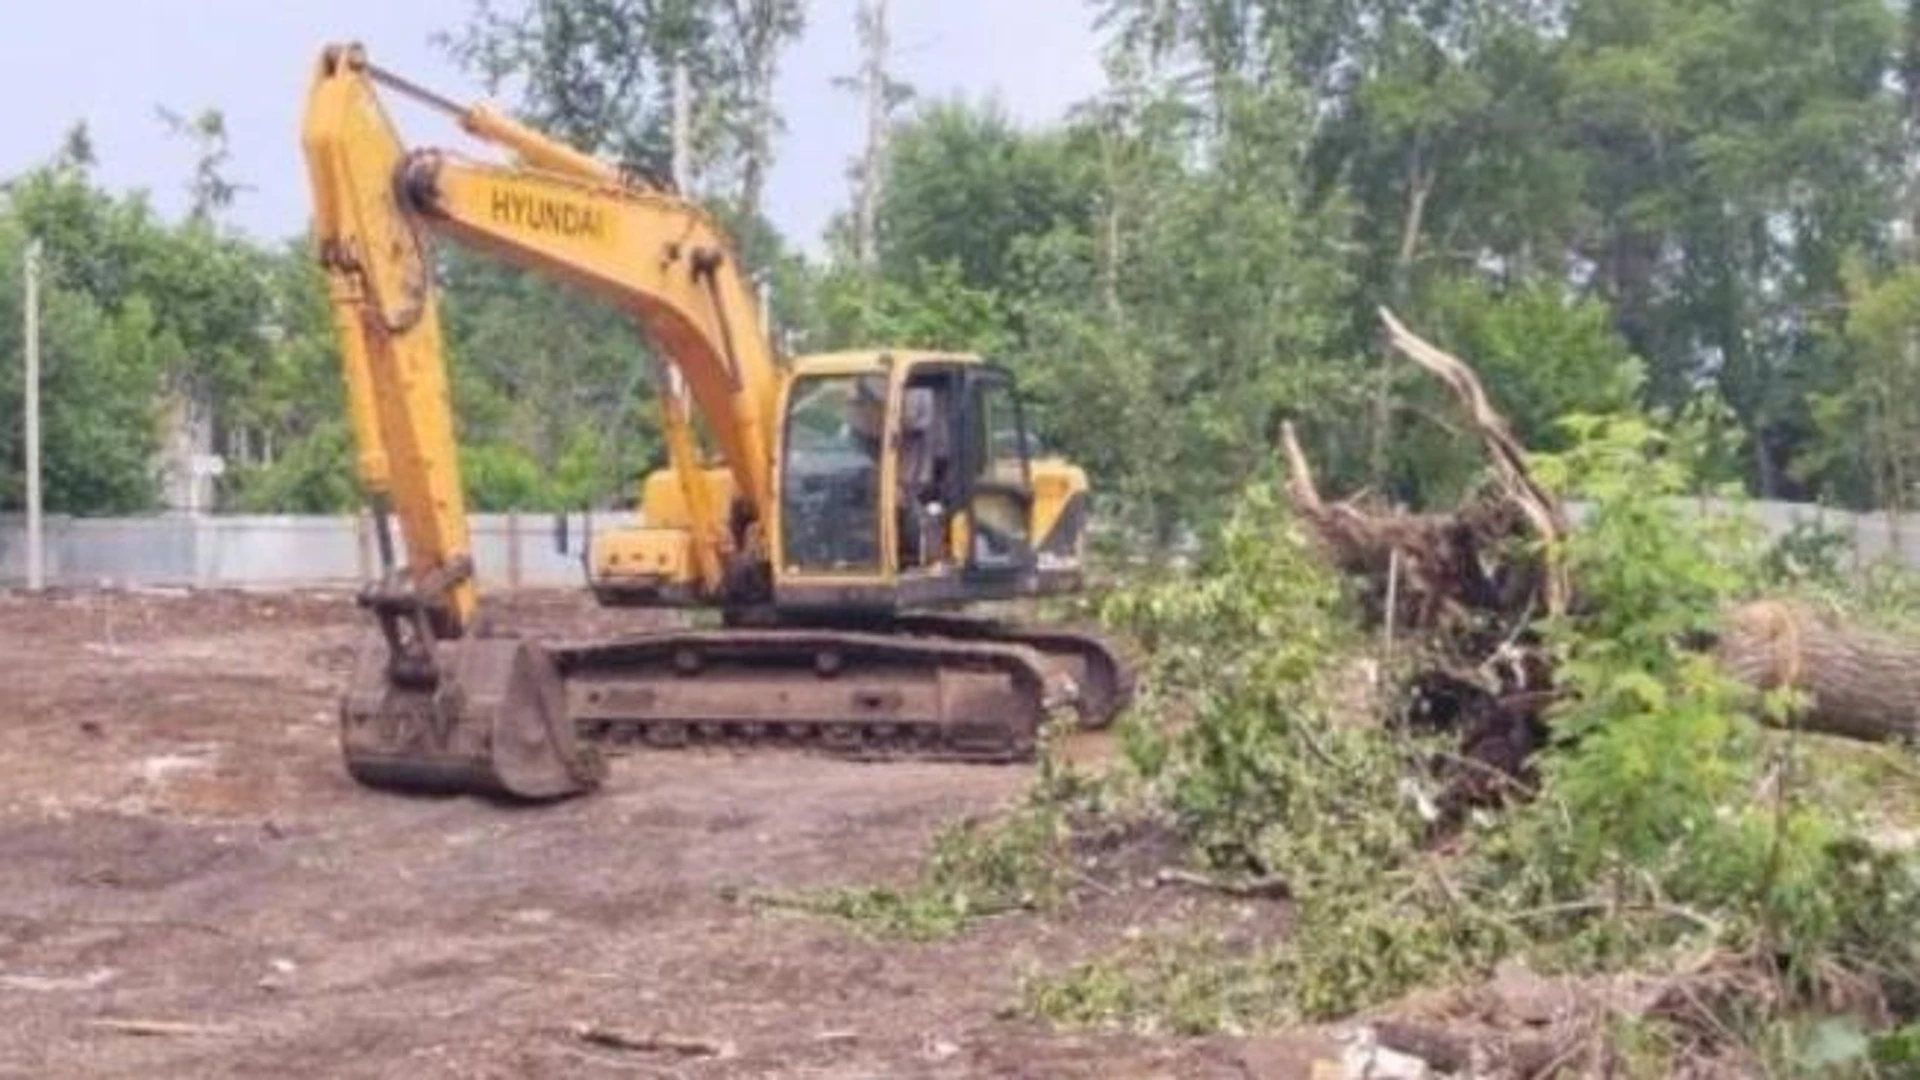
[114,63]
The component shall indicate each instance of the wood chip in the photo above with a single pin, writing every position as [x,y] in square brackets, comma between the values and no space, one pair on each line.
[160,1028]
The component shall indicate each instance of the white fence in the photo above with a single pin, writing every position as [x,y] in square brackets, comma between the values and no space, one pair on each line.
[280,550]
[513,550]
[1876,537]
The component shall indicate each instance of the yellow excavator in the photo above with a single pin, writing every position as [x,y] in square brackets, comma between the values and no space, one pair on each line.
[835,509]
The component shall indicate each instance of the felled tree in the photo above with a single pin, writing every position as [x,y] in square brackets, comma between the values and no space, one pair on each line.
[1474,583]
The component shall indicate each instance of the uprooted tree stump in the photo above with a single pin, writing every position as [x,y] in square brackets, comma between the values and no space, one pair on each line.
[1472,584]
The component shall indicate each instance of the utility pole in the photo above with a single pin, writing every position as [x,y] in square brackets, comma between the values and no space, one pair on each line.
[36,551]
[877,88]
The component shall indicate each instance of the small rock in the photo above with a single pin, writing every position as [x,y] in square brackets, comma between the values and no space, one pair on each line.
[837,1037]
[1366,1059]
[158,768]
[939,1050]
[532,916]
[278,978]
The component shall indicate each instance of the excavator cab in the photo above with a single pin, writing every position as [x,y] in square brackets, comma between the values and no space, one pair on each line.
[904,482]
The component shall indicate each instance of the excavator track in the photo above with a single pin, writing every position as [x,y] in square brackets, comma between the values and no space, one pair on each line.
[1102,677]
[846,693]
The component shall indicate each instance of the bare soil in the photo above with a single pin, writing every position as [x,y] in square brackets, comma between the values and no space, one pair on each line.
[191,886]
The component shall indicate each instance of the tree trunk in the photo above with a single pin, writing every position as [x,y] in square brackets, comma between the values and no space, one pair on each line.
[871,22]
[1855,683]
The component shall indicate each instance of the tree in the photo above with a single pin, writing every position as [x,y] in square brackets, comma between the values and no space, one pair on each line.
[1546,353]
[599,75]
[753,33]
[1702,168]
[135,307]
[1733,153]
[211,190]
[881,95]
[938,310]
[1868,450]
[554,391]
[76,150]
[964,184]
[288,447]
[99,374]
[1167,336]
[551,386]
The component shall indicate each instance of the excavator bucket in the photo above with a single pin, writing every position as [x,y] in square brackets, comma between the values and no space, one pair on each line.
[489,720]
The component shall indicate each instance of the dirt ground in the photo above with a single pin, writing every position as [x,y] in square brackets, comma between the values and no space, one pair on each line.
[179,844]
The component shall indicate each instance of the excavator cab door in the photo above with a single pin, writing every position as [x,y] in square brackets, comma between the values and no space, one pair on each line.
[994,529]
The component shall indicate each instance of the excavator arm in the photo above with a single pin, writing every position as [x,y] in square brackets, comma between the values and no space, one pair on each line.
[441,706]
[388,329]
[564,214]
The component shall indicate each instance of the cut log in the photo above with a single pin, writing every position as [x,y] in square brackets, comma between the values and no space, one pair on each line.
[1854,682]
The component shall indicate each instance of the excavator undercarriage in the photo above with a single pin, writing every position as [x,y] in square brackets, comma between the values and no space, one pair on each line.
[514,718]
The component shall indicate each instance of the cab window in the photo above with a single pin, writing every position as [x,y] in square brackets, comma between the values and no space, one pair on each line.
[830,473]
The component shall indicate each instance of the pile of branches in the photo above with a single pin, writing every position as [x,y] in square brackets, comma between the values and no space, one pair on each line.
[1465,592]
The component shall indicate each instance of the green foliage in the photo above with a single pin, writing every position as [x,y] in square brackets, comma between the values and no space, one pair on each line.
[1655,739]
[1663,817]
[553,390]
[1164,341]
[1264,774]
[1868,419]
[975,870]
[1807,553]
[1656,573]
[939,310]
[1550,354]
[1702,170]
[311,476]
[142,314]
[964,186]
[1709,120]
[1653,824]
[100,374]
[1178,985]
[211,189]
[1897,1051]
